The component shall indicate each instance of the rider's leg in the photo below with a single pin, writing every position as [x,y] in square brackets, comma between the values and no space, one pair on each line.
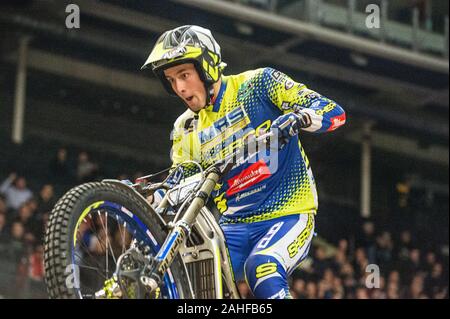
[237,237]
[277,254]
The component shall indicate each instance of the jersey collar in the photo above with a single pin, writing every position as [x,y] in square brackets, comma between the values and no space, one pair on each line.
[215,107]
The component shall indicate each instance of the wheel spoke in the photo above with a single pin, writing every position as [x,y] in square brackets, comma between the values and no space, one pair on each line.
[95,268]
[105,229]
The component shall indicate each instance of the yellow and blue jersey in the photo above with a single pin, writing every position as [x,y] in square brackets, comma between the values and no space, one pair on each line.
[247,104]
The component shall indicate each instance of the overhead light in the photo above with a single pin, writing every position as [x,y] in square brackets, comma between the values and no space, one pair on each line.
[359,59]
[243,28]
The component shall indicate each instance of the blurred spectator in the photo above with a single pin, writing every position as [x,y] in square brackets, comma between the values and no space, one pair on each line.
[25,218]
[3,229]
[405,245]
[325,286]
[35,273]
[339,260]
[3,209]
[340,256]
[16,249]
[32,204]
[46,199]
[60,168]
[383,253]
[361,293]
[360,262]
[435,281]
[415,279]
[379,293]
[366,239]
[15,190]
[442,294]
[321,263]
[298,287]
[414,265]
[394,277]
[343,246]
[36,264]
[393,291]
[416,288]
[86,169]
[338,288]
[311,290]
[430,261]
[348,276]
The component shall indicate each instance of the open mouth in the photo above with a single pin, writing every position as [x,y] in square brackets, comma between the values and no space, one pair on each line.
[189,99]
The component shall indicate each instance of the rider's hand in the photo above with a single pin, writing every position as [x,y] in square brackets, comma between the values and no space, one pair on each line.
[289,125]
[155,199]
[127,182]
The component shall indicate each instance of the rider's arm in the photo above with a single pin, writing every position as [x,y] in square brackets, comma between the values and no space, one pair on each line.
[6,185]
[290,96]
[176,155]
[184,147]
[177,152]
[181,152]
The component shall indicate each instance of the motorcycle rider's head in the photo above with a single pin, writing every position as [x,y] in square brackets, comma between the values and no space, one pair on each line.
[188,62]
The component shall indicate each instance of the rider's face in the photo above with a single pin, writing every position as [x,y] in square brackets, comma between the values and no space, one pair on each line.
[187,84]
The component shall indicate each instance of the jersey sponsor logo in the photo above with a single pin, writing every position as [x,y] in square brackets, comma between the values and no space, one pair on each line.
[328,108]
[289,106]
[252,175]
[221,203]
[242,196]
[189,125]
[289,85]
[316,104]
[265,270]
[245,90]
[336,122]
[175,52]
[231,119]
[282,78]
[309,94]
[213,73]
[300,241]
[272,232]
[277,76]
[314,96]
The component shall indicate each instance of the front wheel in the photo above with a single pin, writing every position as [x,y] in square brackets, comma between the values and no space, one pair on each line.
[89,228]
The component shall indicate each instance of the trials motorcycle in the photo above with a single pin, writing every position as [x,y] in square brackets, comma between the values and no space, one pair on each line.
[104,240]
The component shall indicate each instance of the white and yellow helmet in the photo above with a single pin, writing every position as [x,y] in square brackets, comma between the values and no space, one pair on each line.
[187,44]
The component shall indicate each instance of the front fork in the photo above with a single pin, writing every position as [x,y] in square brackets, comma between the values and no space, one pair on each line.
[153,273]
